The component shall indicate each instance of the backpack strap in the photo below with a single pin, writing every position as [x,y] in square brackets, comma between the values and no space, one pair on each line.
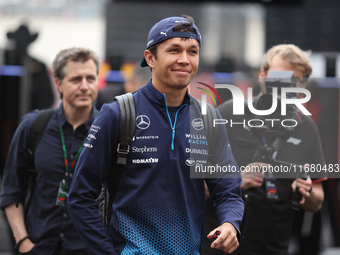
[127,126]
[37,130]
[35,134]
[210,131]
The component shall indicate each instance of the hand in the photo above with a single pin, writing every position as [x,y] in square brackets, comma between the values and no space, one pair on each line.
[252,175]
[227,240]
[304,187]
[26,246]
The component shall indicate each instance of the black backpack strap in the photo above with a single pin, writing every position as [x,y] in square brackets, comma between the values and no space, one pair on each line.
[211,132]
[36,132]
[127,126]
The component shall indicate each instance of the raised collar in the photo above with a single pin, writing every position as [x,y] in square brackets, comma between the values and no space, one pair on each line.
[62,120]
[157,97]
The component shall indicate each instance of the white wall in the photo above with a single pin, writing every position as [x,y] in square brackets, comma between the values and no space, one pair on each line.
[57,33]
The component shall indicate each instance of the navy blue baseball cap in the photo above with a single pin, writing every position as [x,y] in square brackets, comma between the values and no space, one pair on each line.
[163,30]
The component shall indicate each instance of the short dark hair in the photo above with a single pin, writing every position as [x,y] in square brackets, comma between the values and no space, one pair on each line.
[185,27]
[72,54]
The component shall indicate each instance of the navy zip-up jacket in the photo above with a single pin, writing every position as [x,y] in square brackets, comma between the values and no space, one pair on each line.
[158,208]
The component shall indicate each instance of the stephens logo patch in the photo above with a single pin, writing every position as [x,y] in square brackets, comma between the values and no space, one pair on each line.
[143,149]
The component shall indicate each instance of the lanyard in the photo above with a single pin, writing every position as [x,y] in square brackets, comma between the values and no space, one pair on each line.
[64,184]
[275,146]
[69,169]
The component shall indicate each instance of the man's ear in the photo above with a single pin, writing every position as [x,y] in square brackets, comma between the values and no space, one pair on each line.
[58,83]
[262,76]
[149,58]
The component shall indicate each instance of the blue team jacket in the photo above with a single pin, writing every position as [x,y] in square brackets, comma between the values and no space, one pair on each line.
[159,208]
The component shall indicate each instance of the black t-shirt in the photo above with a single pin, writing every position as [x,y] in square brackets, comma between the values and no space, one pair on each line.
[269,226]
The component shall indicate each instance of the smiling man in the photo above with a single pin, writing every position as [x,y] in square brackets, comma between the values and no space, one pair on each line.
[158,208]
[48,228]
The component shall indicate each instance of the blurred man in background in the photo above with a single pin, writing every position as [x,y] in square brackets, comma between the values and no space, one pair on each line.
[267,224]
[48,228]
[139,77]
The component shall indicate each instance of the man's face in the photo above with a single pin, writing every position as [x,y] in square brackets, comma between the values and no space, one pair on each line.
[176,63]
[281,64]
[80,84]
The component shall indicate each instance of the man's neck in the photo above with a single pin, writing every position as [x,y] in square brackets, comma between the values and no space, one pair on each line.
[174,97]
[76,116]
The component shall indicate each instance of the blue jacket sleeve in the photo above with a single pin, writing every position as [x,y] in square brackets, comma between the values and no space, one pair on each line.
[92,169]
[225,190]
[17,162]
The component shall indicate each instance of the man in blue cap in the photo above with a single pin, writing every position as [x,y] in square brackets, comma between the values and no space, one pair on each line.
[158,208]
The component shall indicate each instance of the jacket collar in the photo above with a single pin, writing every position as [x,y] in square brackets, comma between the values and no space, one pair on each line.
[62,120]
[157,97]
